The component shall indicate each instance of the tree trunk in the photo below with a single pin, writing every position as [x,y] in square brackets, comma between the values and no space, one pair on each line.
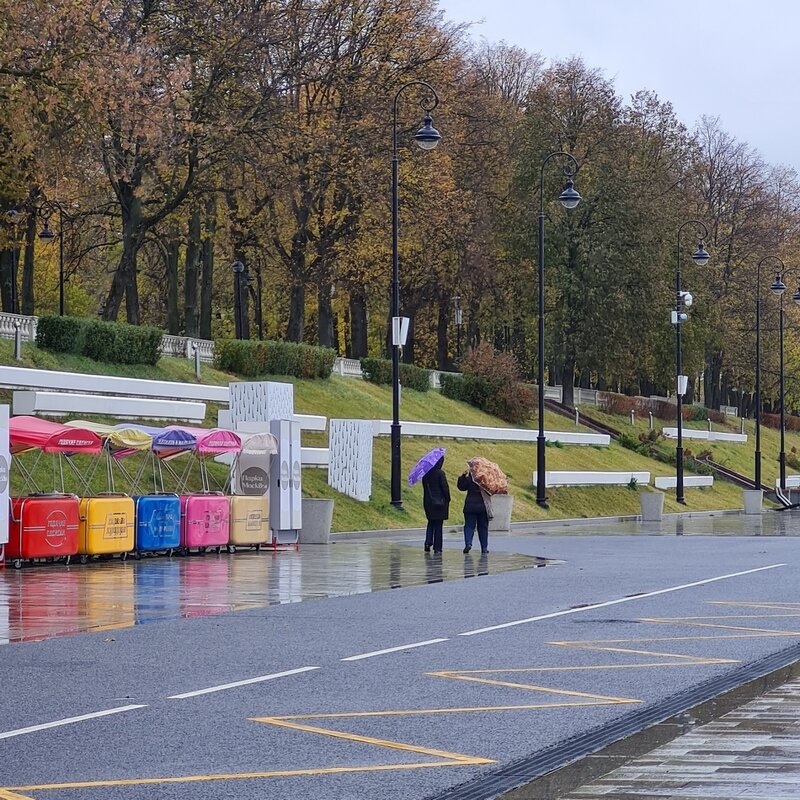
[324,314]
[358,323]
[124,282]
[6,271]
[297,313]
[568,384]
[27,265]
[191,270]
[442,345]
[207,271]
[172,249]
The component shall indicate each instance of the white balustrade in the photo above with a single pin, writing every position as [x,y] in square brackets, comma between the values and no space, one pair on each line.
[27,326]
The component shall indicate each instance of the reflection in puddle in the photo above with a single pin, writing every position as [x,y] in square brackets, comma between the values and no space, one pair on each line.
[56,600]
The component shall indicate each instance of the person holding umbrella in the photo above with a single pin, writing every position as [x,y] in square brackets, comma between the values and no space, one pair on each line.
[475,513]
[436,495]
[436,502]
[483,479]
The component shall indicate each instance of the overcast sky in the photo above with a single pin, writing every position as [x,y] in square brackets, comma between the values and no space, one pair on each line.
[733,59]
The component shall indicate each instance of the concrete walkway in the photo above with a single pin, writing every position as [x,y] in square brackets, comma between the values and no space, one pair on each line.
[753,753]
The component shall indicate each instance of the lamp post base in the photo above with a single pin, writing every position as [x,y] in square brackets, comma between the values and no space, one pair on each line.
[542,504]
[398,504]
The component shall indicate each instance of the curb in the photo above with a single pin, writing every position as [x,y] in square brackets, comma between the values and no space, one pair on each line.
[525,527]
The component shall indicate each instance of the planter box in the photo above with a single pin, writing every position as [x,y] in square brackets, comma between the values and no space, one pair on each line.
[752,500]
[317,518]
[652,504]
[501,508]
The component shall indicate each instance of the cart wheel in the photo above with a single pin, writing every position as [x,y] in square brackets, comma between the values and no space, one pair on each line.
[137,555]
[84,559]
[258,548]
[201,550]
[231,548]
[219,550]
[17,563]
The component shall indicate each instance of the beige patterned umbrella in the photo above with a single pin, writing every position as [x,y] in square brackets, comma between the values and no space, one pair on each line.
[488,475]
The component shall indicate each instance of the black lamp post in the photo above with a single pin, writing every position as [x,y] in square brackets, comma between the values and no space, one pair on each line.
[427,137]
[700,257]
[779,287]
[238,270]
[569,198]
[757,455]
[46,234]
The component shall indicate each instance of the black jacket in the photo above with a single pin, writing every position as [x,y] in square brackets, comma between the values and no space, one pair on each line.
[473,502]
[436,493]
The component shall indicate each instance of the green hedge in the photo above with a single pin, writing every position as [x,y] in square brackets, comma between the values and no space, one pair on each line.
[251,358]
[512,403]
[112,342]
[379,370]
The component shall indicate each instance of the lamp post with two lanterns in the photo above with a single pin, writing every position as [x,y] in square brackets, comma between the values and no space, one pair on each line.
[778,287]
[683,300]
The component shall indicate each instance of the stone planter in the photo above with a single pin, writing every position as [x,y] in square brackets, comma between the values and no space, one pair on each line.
[752,500]
[652,504]
[501,508]
[317,518]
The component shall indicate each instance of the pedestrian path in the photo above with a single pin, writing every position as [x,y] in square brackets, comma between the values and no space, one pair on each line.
[57,600]
[752,752]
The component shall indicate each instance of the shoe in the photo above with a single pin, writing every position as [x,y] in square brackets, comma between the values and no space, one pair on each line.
[484,552]
[467,549]
[427,548]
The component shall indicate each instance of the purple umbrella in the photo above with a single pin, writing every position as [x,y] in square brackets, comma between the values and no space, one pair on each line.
[425,464]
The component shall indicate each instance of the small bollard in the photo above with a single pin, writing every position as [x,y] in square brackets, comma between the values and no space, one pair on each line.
[633,417]
[651,419]
[708,420]
[741,424]
[577,418]
[196,360]
[17,341]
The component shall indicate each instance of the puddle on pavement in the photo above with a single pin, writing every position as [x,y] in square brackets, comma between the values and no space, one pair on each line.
[50,600]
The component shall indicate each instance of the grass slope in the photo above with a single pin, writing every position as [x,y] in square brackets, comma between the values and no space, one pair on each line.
[346,397]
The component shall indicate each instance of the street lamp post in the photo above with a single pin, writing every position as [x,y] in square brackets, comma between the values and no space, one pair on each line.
[427,137]
[238,270]
[700,257]
[47,235]
[569,198]
[779,287]
[757,455]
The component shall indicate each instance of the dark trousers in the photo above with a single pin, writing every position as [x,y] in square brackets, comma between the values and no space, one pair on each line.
[481,521]
[433,535]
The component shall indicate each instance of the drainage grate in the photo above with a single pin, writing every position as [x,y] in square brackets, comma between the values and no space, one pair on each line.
[528,769]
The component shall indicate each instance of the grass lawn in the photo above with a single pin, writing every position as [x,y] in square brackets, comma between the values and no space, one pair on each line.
[351,398]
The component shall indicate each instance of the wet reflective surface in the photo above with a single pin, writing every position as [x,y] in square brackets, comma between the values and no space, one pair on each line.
[769,523]
[56,600]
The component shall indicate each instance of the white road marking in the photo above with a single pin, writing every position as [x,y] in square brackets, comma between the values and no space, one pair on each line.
[246,682]
[393,649]
[616,602]
[67,721]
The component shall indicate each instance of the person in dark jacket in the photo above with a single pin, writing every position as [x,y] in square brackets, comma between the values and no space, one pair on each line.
[436,502]
[475,513]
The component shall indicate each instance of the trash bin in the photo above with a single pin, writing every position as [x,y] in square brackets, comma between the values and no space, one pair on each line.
[652,504]
[317,520]
[752,500]
[502,505]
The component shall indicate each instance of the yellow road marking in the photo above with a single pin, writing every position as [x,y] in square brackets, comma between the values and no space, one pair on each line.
[285,722]
[237,776]
[468,675]
[5,794]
